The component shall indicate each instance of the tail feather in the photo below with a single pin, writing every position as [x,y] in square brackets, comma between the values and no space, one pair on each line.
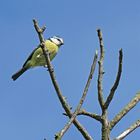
[19,73]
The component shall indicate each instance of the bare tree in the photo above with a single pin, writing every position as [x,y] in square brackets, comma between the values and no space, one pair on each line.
[107,126]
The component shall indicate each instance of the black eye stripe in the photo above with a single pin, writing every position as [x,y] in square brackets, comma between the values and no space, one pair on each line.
[59,39]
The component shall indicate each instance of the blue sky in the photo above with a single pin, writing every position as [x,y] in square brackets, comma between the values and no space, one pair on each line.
[29,107]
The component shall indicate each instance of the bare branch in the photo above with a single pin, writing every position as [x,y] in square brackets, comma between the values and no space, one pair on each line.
[85,113]
[125,110]
[55,84]
[114,87]
[39,30]
[92,115]
[105,125]
[128,131]
[61,133]
[101,71]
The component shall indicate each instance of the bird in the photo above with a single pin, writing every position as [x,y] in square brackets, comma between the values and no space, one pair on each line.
[37,58]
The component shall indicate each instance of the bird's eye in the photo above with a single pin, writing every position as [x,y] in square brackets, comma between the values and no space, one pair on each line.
[59,39]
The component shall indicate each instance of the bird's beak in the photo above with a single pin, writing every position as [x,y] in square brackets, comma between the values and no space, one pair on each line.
[62,43]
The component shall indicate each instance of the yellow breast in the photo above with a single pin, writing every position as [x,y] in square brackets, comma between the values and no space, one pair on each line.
[52,48]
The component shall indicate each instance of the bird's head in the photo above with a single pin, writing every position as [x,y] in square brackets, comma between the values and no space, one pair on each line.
[57,40]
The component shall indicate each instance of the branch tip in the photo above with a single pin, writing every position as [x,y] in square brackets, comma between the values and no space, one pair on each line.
[117,81]
[98,30]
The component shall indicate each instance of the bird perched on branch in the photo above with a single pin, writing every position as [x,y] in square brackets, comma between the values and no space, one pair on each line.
[37,58]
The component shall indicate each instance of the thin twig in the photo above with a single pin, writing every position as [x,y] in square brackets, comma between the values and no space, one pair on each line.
[128,131]
[114,87]
[58,91]
[39,30]
[125,110]
[101,71]
[92,115]
[61,133]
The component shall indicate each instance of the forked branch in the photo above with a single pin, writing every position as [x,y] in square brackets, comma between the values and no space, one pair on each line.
[64,103]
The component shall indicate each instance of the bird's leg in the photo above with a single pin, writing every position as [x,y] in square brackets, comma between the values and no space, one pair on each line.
[45,66]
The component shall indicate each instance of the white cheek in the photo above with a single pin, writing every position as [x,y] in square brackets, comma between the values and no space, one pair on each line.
[56,42]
